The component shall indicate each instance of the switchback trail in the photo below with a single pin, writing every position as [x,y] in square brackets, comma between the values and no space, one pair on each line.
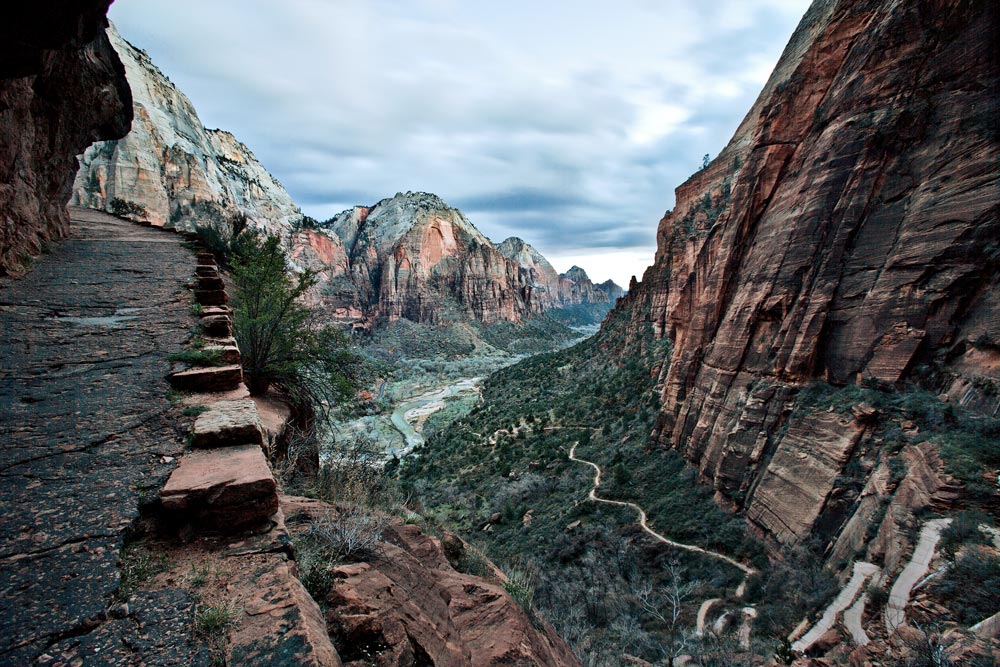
[644,524]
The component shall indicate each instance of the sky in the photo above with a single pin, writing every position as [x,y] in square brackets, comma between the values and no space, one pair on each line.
[567,123]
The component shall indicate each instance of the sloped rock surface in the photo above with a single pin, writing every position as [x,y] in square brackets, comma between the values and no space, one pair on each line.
[849,231]
[85,341]
[411,607]
[61,87]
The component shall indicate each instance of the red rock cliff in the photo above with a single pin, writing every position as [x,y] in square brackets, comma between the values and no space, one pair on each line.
[62,87]
[850,230]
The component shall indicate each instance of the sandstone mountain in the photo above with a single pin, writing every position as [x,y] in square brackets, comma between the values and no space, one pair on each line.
[169,163]
[412,256]
[61,87]
[553,289]
[849,233]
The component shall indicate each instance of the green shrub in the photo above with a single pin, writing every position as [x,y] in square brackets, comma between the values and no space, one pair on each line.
[127,209]
[283,343]
[968,588]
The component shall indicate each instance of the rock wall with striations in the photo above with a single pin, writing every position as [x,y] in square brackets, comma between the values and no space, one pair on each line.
[181,172]
[412,256]
[62,87]
[849,232]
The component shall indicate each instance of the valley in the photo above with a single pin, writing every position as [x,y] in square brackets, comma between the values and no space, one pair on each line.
[383,436]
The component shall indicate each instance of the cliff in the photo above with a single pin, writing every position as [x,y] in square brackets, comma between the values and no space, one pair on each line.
[61,88]
[849,233]
[169,163]
[412,256]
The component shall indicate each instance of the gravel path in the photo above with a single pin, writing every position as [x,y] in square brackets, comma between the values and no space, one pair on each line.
[84,348]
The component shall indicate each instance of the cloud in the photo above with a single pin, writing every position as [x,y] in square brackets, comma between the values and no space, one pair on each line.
[568,124]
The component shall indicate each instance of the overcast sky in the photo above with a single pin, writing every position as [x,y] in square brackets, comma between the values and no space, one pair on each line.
[567,123]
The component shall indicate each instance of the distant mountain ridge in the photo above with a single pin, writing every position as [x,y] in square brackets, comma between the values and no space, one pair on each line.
[412,256]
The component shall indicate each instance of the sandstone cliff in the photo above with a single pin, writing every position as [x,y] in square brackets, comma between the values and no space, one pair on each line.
[61,88]
[412,256]
[849,232]
[181,172]
[555,290]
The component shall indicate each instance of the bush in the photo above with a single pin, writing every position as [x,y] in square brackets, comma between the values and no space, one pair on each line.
[968,588]
[127,209]
[282,342]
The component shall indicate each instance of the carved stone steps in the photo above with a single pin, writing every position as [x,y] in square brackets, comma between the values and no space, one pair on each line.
[208,379]
[228,423]
[227,489]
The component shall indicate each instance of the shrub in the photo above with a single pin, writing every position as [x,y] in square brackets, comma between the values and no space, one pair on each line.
[964,529]
[127,209]
[969,586]
[282,343]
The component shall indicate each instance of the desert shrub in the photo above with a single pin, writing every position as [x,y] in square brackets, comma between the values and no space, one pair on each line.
[963,529]
[968,588]
[127,209]
[351,535]
[283,343]
[353,474]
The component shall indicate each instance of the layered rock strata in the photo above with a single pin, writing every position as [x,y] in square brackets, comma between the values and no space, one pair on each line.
[182,173]
[410,606]
[849,232]
[412,256]
[62,87]
[557,290]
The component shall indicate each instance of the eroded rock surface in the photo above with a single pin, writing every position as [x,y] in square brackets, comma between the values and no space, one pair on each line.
[182,173]
[849,232]
[84,346]
[61,88]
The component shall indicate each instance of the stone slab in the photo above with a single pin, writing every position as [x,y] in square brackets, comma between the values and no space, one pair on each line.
[209,379]
[224,489]
[228,423]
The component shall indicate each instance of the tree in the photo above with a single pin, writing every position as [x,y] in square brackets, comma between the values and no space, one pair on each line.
[666,605]
[283,345]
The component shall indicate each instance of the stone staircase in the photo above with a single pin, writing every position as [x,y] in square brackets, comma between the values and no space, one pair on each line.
[224,489]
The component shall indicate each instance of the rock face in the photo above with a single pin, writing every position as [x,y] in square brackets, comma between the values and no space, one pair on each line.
[61,88]
[411,607]
[181,172]
[850,231]
[412,256]
[555,290]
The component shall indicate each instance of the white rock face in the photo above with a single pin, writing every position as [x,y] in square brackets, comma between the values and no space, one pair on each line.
[183,173]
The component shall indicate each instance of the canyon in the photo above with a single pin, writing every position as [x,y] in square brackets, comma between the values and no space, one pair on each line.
[798,401]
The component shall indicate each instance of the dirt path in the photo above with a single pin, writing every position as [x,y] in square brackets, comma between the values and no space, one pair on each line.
[643,523]
[923,553]
[699,628]
[862,573]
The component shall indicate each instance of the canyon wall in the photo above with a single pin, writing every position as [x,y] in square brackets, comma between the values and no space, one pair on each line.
[61,87]
[849,233]
[169,163]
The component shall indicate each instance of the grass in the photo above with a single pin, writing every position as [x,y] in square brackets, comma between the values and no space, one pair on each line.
[214,620]
[194,410]
[138,564]
[198,357]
